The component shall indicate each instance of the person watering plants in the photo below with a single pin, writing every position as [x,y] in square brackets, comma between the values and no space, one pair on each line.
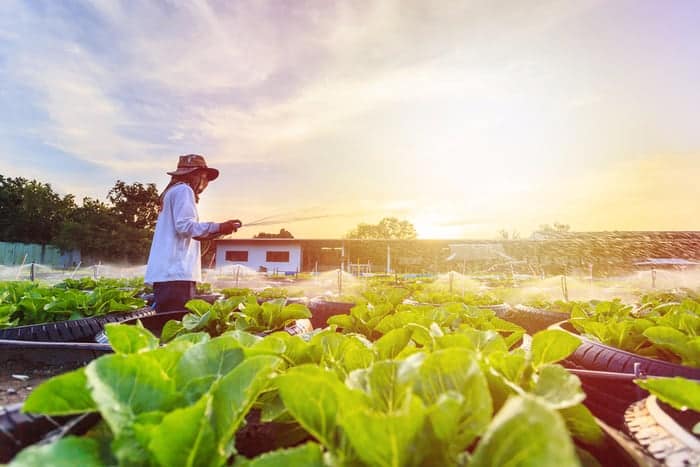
[174,263]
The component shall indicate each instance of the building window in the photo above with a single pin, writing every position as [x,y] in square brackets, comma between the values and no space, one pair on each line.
[277,257]
[233,255]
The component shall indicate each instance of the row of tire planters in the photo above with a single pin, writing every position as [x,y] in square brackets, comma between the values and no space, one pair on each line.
[607,375]
[34,312]
[20,429]
[77,330]
[459,398]
[84,329]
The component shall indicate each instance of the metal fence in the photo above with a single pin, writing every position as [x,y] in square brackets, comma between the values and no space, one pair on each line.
[15,254]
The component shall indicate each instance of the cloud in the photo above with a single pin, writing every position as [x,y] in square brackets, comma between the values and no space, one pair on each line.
[455,110]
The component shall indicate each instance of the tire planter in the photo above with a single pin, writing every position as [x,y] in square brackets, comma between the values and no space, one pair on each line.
[19,430]
[51,353]
[322,310]
[596,356]
[77,330]
[532,319]
[654,426]
[607,376]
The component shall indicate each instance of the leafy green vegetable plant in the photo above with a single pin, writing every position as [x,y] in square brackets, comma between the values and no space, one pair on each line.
[669,331]
[175,405]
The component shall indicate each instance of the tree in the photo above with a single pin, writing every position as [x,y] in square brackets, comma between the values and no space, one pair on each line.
[556,227]
[283,234]
[389,228]
[30,211]
[100,234]
[136,204]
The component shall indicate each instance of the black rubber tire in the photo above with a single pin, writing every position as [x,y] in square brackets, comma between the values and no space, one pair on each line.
[610,393]
[19,430]
[69,331]
[596,356]
[50,353]
[322,310]
[532,319]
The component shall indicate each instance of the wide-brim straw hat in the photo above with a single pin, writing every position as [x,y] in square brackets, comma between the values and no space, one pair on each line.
[191,162]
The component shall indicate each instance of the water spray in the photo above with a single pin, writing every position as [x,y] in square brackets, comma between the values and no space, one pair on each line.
[19,270]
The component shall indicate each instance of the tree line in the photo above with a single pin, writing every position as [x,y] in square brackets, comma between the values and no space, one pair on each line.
[116,229]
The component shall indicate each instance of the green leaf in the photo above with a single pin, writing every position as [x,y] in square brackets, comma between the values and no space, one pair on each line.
[192,337]
[551,346]
[382,439]
[294,311]
[582,425]
[485,341]
[171,329]
[198,306]
[342,321]
[559,388]
[525,432]
[195,322]
[65,394]
[308,455]
[128,339]
[386,391]
[216,357]
[124,386]
[246,339]
[130,447]
[186,438]
[66,452]
[679,392]
[687,348]
[297,351]
[317,406]
[511,365]
[268,346]
[235,393]
[392,343]
[457,370]
[442,415]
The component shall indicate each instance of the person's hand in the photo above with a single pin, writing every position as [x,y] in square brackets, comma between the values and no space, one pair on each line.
[229,226]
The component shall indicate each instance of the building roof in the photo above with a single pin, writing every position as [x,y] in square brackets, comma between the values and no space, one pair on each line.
[666,262]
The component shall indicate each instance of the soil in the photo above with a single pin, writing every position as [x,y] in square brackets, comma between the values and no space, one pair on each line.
[13,389]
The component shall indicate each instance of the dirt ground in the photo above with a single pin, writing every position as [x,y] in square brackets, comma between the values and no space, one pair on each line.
[16,388]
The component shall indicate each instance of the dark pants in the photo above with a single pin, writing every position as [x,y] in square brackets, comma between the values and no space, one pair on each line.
[172,296]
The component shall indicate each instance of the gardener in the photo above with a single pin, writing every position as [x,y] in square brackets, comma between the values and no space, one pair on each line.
[174,264]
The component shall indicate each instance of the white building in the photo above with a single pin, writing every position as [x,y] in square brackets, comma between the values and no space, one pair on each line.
[282,255]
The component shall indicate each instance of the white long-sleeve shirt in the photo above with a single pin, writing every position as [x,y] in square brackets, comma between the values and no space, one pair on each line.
[175,255]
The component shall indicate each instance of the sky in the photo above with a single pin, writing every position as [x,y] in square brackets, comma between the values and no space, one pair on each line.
[465,118]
